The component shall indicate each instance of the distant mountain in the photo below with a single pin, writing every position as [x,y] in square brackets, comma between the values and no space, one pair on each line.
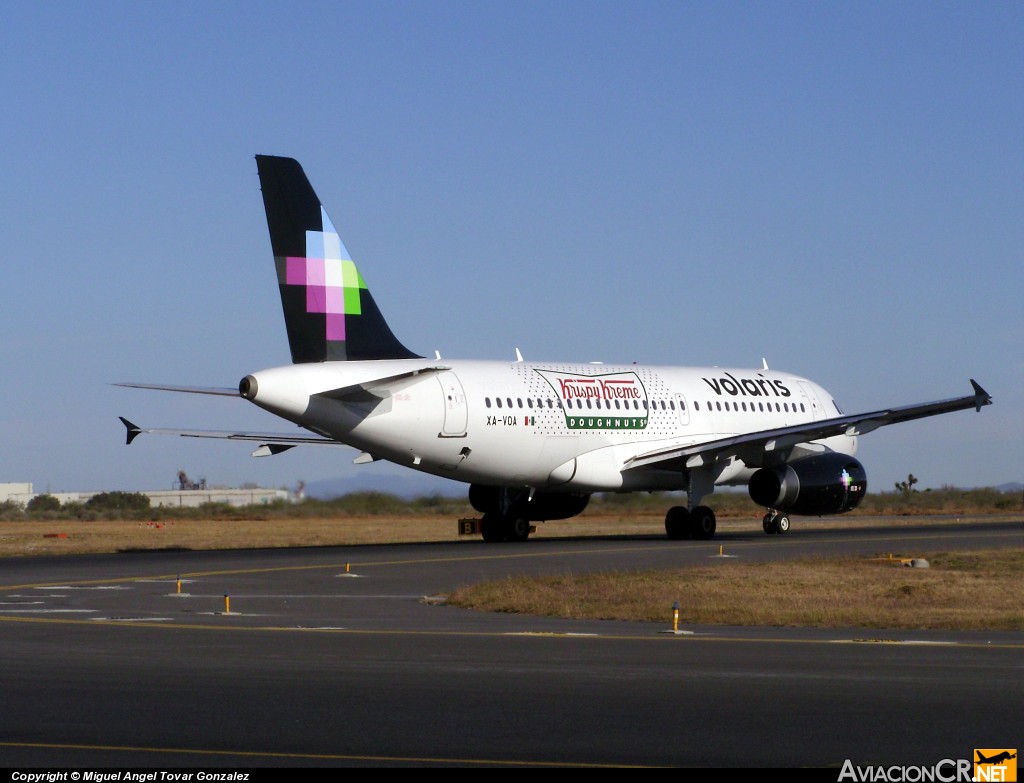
[413,485]
[1012,486]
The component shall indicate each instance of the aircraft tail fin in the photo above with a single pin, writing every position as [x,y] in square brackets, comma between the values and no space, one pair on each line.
[328,310]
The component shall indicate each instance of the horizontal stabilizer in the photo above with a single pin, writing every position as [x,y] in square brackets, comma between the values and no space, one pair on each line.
[273,442]
[220,391]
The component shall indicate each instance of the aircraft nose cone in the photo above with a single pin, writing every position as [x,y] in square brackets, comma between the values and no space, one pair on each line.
[248,387]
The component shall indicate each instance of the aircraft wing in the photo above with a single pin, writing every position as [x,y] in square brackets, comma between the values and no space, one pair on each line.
[755,447]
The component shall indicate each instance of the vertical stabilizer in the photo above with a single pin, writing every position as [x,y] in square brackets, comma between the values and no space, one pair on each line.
[328,309]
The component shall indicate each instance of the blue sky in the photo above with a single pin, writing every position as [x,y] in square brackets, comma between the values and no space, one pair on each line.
[836,187]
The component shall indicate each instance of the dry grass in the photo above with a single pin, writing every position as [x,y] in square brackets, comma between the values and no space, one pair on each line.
[82,537]
[976,590]
[35,537]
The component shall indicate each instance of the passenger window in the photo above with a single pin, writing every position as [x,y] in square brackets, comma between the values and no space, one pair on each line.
[487,401]
[498,400]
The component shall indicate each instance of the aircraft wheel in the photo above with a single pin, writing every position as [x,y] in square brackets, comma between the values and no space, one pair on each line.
[782,523]
[517,529]
[768,523]
[702,523]
[491,529]
[677,523]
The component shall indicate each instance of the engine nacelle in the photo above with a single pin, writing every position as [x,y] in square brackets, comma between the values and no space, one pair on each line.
[823,484]
[543,506]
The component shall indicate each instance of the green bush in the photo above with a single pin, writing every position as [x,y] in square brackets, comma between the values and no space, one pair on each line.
[42,505]
[117,505]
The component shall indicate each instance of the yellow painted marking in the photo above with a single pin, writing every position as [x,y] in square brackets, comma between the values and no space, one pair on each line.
[635,637]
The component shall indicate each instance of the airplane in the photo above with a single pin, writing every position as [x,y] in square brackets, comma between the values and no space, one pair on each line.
[534,440]
[996,759]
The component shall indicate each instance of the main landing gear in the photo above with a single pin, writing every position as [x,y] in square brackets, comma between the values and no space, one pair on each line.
[775,522]
[681,523]
[496,528]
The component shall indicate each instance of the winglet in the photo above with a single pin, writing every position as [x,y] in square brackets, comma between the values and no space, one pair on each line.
[133,431]
[981,397]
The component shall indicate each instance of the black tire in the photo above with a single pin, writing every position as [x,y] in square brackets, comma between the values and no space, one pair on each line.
[491,529]
[768,523]
[517,529]
[703,523]
[677,523]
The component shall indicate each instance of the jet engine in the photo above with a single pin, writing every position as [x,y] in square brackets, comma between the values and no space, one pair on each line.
[542,507]
[823,484]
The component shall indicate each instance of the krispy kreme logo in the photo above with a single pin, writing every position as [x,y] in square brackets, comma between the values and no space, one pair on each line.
[616,401]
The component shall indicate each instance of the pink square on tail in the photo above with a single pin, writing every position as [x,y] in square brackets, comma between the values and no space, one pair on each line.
[335,326]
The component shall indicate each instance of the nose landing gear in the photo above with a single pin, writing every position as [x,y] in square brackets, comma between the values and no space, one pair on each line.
[775,522]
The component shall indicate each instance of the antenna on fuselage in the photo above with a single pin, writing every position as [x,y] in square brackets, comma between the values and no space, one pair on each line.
[519,356]
[764,363]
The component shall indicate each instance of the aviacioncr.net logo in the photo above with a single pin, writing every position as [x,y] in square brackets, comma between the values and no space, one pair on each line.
[995,764]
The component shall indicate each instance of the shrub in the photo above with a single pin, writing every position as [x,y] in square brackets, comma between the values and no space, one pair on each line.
[118,505]
[42,504]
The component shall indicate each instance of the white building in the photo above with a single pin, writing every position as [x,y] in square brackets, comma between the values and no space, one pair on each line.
[22,493]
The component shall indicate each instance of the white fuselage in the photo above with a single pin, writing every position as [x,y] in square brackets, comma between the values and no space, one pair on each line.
[547,426]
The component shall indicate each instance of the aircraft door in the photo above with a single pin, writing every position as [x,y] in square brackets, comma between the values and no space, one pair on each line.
[817,408]
[456,413]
